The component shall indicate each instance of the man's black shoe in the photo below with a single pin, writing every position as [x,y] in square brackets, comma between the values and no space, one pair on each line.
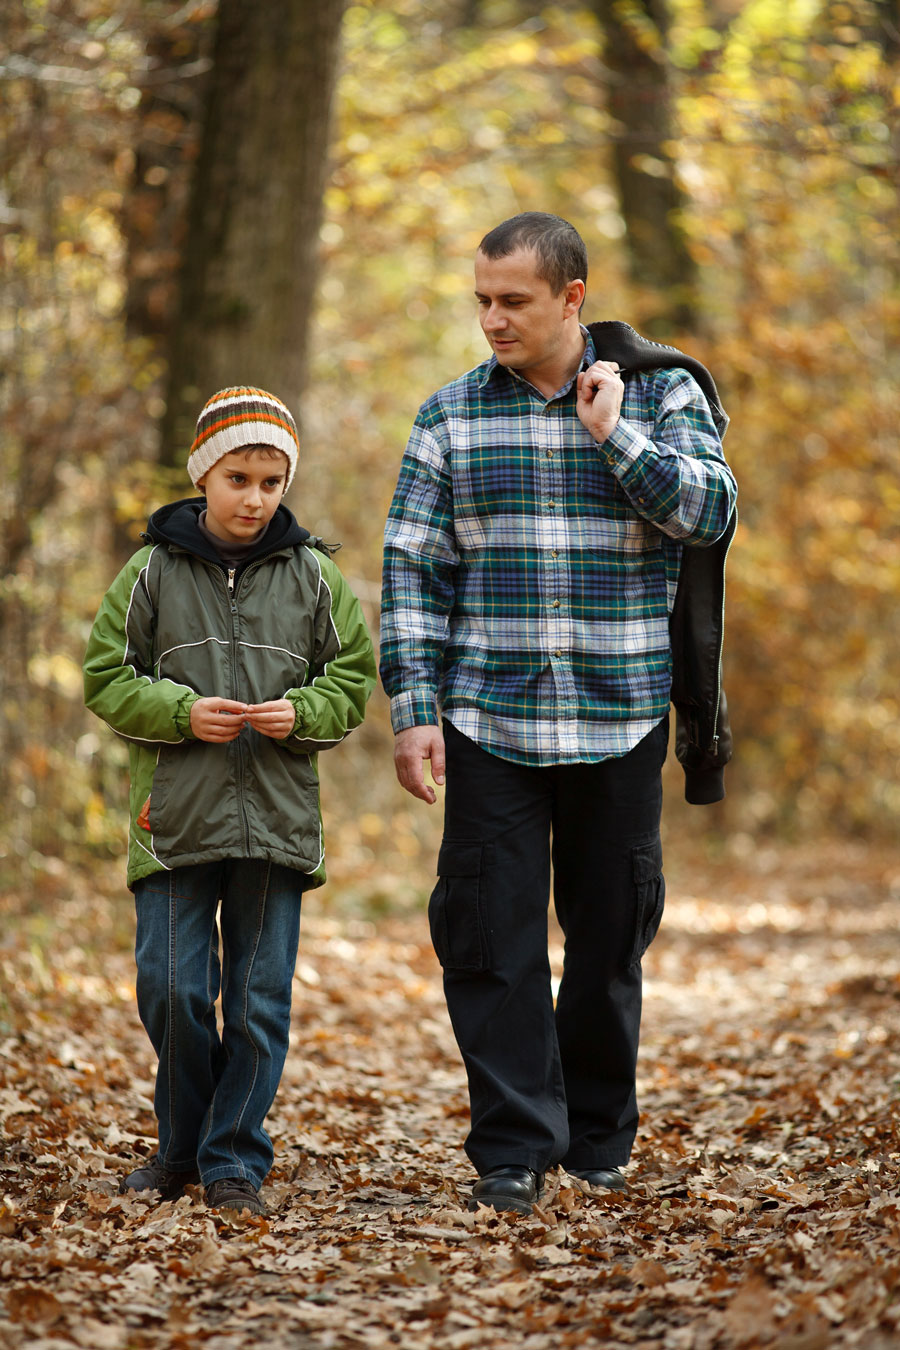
[601,1178]
[155,1176]
[515,1188]
[234,1193]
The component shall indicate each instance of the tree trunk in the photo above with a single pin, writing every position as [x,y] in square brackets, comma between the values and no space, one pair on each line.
[154,211]
[251,249]
[640,99]
[884,28]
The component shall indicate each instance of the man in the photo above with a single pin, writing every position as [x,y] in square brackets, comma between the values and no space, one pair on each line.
[532,560]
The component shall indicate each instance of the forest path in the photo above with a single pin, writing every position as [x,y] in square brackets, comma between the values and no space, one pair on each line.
[763,1206]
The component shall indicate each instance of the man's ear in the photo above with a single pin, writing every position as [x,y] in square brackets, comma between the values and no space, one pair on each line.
[200,485]
[573,298]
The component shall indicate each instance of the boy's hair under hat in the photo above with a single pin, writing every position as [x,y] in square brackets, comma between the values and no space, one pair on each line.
[236,418]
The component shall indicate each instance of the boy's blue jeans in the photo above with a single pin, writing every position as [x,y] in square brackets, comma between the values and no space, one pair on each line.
[213,1091]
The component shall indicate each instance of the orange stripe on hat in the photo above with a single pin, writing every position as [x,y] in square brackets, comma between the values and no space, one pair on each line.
[254,417]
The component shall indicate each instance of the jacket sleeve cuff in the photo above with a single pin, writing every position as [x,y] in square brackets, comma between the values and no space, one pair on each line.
[702,787]
[415,708]
[183,715]
[296,702]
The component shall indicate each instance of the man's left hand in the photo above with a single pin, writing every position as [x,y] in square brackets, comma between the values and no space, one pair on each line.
[599,392]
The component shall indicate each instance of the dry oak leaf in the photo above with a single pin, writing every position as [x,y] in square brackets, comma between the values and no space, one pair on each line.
[750,1314]
[648,1273]
[421,1271]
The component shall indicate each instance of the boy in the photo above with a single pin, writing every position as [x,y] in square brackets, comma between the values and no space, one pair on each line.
[228,652]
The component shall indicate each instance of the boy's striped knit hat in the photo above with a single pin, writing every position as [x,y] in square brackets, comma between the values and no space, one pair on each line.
[236,418]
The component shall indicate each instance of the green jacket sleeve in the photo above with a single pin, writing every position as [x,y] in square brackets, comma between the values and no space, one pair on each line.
[342,672]
[119,682]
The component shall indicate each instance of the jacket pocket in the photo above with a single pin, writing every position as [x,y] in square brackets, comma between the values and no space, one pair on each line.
[650,894]
[456,907]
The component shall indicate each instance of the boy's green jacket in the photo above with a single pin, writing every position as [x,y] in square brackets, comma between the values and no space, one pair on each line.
[178,624]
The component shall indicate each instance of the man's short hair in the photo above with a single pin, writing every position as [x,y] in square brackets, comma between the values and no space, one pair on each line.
[557,245]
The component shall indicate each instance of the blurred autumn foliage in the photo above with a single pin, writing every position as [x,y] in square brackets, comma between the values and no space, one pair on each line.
[450,116]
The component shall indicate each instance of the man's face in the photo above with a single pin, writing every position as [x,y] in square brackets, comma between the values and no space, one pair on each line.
[525,323]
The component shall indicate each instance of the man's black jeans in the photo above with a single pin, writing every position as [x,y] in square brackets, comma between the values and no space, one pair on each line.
[548,1086]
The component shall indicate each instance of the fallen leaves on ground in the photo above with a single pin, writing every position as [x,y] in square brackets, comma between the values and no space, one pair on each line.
[763,1205]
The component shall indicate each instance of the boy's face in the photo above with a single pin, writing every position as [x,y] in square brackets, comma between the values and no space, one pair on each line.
[243,490]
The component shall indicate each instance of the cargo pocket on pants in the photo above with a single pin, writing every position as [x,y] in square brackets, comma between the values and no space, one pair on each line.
[455,910]
[650,894]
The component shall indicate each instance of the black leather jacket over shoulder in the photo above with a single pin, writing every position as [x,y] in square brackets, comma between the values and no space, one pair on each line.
[703,741]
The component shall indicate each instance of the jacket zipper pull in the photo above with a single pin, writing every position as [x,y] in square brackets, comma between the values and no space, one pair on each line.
[231,572]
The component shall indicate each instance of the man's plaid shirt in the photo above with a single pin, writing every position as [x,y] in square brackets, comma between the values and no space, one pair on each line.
[529,572]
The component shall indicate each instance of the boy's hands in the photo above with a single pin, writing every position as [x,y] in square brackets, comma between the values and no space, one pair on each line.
[217,719]
[275,719]
[220,720]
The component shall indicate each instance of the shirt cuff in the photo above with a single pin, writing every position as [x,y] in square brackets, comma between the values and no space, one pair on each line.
[414,708]
[623,446]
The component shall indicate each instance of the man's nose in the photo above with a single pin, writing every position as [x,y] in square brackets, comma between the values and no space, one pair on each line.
[494,318]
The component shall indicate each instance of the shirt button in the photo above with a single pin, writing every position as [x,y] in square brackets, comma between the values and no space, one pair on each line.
[554,553]
[550,505]
[549,454]
[557,653]
[556,604]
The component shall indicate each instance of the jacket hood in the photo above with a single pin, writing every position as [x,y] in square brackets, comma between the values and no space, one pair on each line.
[177,524]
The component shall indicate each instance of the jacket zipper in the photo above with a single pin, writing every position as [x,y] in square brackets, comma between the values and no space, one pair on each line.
[239,749]
[715,730]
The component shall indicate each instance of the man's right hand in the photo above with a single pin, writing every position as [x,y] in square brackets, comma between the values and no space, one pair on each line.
[411,748]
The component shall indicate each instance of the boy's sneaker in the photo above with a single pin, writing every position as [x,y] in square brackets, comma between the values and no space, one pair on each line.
[155,1176]
[234,1193]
